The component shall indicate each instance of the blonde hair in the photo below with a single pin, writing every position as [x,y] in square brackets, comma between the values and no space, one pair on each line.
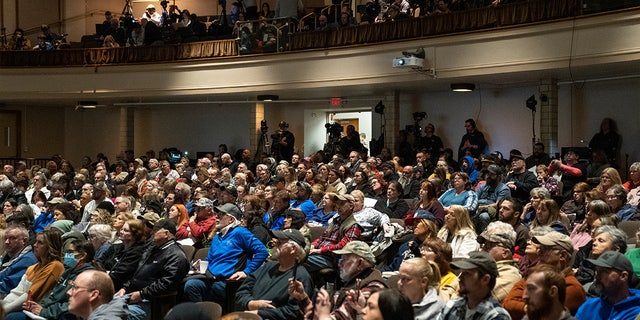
[461,215]
[427,269]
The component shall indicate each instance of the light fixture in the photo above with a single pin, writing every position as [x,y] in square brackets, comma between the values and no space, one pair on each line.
[268,97]
[463,87]
[86,105]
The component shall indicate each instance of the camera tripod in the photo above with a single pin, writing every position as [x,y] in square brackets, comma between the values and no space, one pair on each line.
[128,9]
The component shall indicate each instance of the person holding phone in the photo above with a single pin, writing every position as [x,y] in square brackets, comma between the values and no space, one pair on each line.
[264,291]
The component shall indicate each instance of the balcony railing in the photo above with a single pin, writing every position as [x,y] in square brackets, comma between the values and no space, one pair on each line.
[533,11]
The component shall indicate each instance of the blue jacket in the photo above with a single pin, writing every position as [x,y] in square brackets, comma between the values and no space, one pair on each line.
[599,308]
[319,217]
[627,212]
[12,271]
[471,171]
[490,195]
[306,206]
[226,251]
[42,221]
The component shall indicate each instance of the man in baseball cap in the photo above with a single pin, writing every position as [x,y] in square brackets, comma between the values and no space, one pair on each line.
[265,291]
[477,279]
[202,222]
[231,243]
[301,199]
[498,240]
[489,195]
[556,250]
[613,279]
[228,193]
[342,229]
[357,272]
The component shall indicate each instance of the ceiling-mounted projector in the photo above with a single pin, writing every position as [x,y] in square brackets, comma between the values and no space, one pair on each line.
[408,62]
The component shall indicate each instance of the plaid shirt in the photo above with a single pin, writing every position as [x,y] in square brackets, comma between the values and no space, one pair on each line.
[333,238]
[488,309]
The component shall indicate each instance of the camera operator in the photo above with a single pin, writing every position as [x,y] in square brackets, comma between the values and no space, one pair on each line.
[351,142]
[151,15]
[283,143]
[19,41]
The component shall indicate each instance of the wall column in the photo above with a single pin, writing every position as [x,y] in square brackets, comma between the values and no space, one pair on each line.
[126,132]
[549,115]
[392,126]
[255,116]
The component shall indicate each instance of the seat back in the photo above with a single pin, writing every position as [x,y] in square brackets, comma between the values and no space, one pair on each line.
[630,228]
[188,251]
[201,254]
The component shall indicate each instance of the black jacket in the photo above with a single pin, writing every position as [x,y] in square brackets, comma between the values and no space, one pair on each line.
[121,263]
[161,270]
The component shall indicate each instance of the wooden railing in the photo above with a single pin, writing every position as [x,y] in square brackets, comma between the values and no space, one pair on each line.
[533,11]
[42,162]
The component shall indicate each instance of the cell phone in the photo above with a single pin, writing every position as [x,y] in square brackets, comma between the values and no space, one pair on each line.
[295,270]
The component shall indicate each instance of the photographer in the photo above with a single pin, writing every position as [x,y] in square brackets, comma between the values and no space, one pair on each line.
[19,41]
[151,15]
[351,142]
[283,143]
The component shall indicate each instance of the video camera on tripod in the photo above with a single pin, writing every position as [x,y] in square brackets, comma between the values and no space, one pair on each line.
[416,128]
[334,130]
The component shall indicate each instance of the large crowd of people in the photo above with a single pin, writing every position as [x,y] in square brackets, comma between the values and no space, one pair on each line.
[341,236]
[258,30]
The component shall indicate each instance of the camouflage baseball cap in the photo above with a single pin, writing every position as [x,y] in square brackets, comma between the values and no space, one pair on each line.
[360,249]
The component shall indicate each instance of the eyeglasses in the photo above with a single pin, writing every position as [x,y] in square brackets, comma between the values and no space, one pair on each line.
[425,249]
[75,288]
[549,248]
[488,245]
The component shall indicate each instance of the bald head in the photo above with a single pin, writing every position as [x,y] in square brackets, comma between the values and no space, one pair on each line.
[92,289]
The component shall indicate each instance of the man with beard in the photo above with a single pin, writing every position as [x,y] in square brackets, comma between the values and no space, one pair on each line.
[477,279]
[410,186]
[538,157]
[498,240]
[613,278]
[389,172]
[343,229]
[232,245]
[520,180]
[509,212]
[357,278]
[473,142]
[264,292]
[556,250]
[544,294]
[100,193]
[489,194]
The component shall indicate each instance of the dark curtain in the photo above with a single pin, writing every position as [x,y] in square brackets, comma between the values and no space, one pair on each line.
[102,56]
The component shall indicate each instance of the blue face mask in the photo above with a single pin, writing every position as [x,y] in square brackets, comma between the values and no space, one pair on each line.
[70,260]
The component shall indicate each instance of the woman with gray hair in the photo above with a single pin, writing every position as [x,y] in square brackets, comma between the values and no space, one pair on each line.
[529,211]
[606,238]
[99,236]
